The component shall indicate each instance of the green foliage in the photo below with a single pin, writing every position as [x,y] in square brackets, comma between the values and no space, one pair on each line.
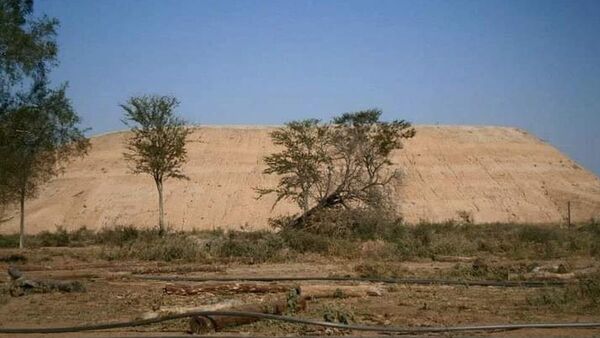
[9,241]
[152,247]
[39,130]
[28,45]
[157,146]
[253,247]
[380,270]
[363,236]
[304,241]
[300,164]
[345,162]
[60,237]
[119,235]
[583,296]
[39,137]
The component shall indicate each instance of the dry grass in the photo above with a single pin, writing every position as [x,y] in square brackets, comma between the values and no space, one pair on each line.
[350,236]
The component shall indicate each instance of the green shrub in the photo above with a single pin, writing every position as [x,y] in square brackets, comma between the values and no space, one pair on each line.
[380,270]
[155,248]
[9,241]
[256,246]
[538,234]
[120,235]
[60,237]
[304,241]
[582,296]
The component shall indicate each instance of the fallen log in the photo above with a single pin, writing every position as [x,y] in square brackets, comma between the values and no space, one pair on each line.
[309,291]
[174,310]
[20,285]
[544,275]
[340,291]
[202,325]
[145,270]
[224,288]
[454,259]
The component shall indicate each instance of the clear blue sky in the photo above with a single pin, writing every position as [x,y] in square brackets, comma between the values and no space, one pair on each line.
[529,64]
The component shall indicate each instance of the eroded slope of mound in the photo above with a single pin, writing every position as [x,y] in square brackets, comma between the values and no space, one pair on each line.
[495,174]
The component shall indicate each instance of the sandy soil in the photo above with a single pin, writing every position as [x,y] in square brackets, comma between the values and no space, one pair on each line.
[495,174]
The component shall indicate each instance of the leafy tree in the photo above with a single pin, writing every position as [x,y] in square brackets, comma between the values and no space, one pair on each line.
[38,126]
[39,137]
[300,162]
[27,46]
[157,146]
[342,163]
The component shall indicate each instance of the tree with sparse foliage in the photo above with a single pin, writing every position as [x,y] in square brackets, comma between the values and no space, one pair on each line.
[39,131]
[342,163]
[157,146]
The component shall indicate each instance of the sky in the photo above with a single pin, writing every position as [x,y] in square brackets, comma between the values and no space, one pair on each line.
[528,64]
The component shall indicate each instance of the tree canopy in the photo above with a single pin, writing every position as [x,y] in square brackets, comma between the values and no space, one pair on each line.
[345,162]
[39,129]
[157,146]
[27,46]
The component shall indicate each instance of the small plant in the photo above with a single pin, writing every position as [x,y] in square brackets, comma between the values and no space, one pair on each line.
[253,247]
[119,235]
[380,270]
[584,295]
[174,247]
[465,217]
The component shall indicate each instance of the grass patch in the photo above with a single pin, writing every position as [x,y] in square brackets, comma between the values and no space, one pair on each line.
[380,270]
[173,247]
[582,296]
[354,234]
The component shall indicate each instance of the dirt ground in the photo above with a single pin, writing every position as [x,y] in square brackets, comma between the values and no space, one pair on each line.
[113,294]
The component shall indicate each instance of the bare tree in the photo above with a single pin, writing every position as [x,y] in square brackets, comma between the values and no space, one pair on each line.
[343,163]
[157,146]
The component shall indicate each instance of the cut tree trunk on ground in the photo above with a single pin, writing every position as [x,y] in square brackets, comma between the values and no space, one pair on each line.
[307,291]
[225,288]
[455,259]
[202,325]
[174,310]
[20,285]
[328,202]
[544,275]
[340,291]
[144,270]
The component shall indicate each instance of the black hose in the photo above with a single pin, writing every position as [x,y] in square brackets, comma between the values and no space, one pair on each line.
[414,281]
[382,329]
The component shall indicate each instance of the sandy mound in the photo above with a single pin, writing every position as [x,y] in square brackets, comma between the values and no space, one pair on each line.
[495,174]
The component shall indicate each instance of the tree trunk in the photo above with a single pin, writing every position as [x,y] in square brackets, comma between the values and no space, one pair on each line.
[161,211]
[328,202]
[22,225]
[225,288]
